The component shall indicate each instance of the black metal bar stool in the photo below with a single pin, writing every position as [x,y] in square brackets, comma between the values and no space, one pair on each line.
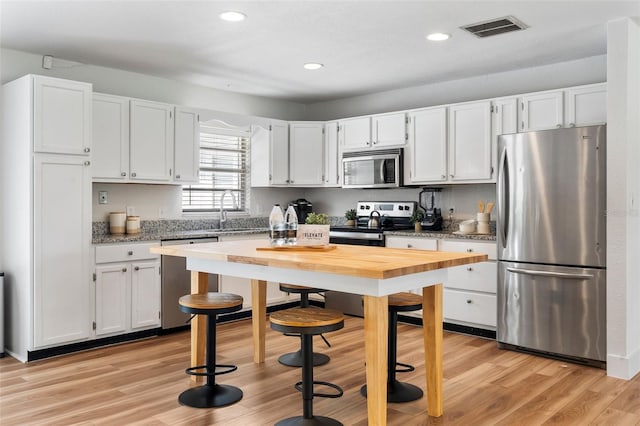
[308,322]
[398,391]
[294,359]
[211,394]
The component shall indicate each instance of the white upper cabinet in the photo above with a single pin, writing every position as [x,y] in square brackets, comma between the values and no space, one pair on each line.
[151,141]
[470,142]
[388,130]
[586,105]
[110,137]
[541,111]
[332,166]
[61,116]
[426,155]
[306,149]
[373,132]
[270,154]
[279,153]
[186,154]
[355,133]
[505,116]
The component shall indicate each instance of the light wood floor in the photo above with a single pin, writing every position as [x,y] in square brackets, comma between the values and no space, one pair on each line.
[138,383]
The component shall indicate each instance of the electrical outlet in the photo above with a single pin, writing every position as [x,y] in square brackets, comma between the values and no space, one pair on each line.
[131,211]
[103,197]
[161,213]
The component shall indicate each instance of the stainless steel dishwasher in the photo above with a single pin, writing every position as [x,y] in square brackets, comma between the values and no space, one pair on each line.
[176,282]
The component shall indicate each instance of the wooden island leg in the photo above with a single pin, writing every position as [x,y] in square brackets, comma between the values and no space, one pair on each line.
[258,318]
[432,325]
[199,284]
[376,325]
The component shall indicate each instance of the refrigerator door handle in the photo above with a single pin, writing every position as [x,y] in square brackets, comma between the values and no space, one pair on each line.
[551,274]
[503,196]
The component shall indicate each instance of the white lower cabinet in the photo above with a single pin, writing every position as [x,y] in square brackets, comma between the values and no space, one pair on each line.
[127,278]
[242,286]
[469,296]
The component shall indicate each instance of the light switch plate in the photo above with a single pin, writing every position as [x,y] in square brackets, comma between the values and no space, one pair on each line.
[103,197]
[131,211]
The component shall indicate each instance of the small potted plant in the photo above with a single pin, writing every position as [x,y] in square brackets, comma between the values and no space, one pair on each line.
[416,219]
[314,231]
[351,217]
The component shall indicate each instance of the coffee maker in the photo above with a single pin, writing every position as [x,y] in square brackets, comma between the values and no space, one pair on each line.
[433,216]
[302,208]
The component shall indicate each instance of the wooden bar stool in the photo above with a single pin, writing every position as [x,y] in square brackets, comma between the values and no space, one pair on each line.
[294,359]
[211,394]
[398,391]
[308,322]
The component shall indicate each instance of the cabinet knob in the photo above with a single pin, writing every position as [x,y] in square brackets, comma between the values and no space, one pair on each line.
[558,126]
[572,124]
[469,301]
[469,250]
[177,176]
[87,163]
[137,268]
[130,252]
[124,269]
[123,174]
[409,246]
[451,175]
[443,176]
[133,174]
[469,269]
[87,149]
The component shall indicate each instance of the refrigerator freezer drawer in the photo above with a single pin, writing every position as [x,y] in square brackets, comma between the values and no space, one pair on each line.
[469,307]
[553,309]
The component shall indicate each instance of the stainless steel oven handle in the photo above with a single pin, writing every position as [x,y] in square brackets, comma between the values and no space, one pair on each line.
[356,235]
[551,274]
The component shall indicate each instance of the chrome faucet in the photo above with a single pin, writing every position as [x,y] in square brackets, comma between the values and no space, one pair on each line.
[223,212]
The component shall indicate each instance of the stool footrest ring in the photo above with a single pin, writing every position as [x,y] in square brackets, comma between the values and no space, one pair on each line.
[339,390]
[406,369]
[229,368]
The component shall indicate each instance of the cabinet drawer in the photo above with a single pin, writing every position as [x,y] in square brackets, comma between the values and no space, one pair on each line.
[415,243]
[125,252]
[475,277]
[469,307]
[489,249]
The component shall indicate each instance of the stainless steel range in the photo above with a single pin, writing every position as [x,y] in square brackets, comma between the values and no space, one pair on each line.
[374,218]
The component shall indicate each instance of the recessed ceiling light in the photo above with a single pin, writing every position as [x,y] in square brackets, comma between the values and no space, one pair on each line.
[232,16]
[438,37]
[313,66]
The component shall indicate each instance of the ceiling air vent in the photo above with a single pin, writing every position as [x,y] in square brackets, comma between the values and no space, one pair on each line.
[495,27]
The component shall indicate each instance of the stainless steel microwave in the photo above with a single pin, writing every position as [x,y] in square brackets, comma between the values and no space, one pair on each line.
[372,169]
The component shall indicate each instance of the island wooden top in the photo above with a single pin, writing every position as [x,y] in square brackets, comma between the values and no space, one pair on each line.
[360,261]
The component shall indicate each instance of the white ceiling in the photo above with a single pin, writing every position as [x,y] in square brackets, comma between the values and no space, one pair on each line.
[366,46]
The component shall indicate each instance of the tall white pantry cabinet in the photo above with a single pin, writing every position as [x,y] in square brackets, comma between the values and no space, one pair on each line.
[46,212]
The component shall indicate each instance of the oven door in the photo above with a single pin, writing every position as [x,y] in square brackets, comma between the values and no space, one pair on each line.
[375,239]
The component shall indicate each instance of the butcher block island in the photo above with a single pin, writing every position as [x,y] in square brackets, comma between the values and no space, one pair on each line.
[373,272]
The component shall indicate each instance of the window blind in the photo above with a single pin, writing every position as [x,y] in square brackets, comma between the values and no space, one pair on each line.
[223,166]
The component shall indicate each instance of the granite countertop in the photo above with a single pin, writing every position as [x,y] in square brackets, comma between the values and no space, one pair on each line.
[443,234]
[185,229]
[174,235]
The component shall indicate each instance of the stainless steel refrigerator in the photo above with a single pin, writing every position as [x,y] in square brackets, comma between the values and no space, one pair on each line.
[551,235]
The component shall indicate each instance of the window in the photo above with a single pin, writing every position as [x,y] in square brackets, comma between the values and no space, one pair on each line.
[223,167]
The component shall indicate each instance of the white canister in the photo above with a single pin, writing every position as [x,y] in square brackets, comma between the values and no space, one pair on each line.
[117,222]
[483,217]
[483,227]
[133,224]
